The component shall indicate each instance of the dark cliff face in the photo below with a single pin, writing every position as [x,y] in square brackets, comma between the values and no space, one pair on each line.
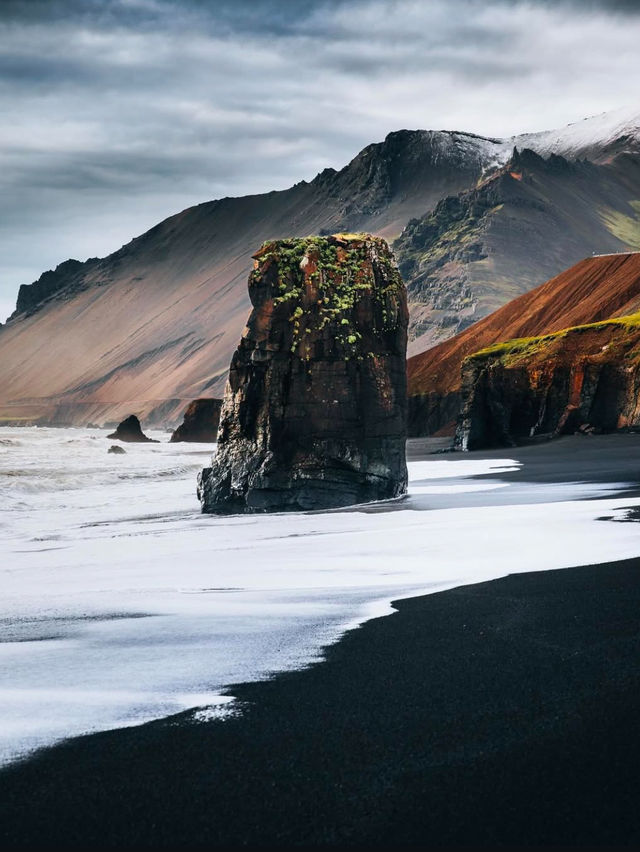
[200,424]
[583,379]
[63,277]
[433,413]
[314,415]
[130,430]
[424,164]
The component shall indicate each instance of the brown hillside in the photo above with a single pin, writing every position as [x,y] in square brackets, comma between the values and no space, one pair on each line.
[153,326]
[594,289]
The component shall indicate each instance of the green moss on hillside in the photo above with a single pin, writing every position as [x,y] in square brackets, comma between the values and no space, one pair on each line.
[625,228]
[510,351]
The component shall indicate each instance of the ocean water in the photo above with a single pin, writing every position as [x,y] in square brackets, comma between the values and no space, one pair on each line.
[121,603]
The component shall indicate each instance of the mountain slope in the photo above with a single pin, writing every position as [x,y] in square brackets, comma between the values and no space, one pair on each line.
[595,289]
[530,219]
[597,138]
[153,325]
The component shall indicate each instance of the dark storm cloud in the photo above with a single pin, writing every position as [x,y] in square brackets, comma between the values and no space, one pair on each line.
[117,113]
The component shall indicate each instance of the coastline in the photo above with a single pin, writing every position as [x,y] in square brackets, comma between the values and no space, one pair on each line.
[498,713]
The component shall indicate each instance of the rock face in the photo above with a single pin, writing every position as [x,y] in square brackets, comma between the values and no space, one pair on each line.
[130,430]
[64,276]
[200,422]
[583,379]
[314,414]
[595,289]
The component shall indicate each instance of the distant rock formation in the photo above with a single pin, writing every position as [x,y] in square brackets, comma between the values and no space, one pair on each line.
[130,430]
[116,450]
[314,414]
[200,422]
[584,379]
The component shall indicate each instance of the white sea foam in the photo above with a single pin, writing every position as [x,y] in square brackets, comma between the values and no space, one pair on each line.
[121,603]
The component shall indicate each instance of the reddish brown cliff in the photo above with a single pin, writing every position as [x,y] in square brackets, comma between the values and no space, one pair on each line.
[314,414]
[594,289]
[585,379]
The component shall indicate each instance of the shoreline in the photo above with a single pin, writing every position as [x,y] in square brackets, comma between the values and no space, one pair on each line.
[500,712]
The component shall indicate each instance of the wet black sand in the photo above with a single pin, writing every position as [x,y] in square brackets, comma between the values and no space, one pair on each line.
[505,713]
[572,458]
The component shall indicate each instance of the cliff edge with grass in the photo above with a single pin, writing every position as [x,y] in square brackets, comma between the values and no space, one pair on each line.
[595,289]
[581,379]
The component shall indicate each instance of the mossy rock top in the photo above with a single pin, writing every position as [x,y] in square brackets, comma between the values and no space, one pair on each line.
[344,286]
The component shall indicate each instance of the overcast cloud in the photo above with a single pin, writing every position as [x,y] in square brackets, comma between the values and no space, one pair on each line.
[118,113]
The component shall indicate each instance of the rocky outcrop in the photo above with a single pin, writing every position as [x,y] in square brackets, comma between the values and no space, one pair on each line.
[65,276]
[594,289]
[131,431]
[116,450]
[200,422]
[583,379]
[314,414]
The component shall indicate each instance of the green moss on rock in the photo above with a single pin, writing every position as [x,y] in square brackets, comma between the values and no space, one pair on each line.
[319,282]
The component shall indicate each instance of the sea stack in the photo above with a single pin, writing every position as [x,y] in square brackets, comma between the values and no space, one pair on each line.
[131,431]
[200,423]
[314,413]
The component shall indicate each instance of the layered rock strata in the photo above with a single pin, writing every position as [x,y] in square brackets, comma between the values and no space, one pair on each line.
[314,413]
[582,379]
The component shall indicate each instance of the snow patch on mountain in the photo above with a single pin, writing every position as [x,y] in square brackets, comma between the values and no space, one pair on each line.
[583,137]
[593,138]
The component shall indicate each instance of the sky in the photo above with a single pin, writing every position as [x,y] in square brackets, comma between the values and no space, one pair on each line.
[119,113]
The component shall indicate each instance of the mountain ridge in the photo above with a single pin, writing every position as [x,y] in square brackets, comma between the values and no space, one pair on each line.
[518,227]
[153,325]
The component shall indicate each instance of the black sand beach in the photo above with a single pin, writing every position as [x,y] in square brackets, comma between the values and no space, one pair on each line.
[504,713]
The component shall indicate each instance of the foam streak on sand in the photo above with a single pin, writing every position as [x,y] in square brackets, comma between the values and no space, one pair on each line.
[121,603]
